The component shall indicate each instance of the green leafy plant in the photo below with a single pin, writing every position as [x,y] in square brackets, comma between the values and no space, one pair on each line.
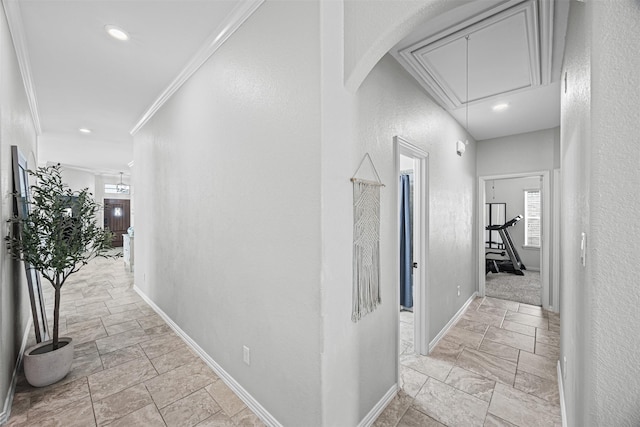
[59,235]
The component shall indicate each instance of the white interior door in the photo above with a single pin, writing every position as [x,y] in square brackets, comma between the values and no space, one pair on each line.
[420,241]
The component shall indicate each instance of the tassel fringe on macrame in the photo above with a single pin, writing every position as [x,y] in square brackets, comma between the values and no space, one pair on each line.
[366,248]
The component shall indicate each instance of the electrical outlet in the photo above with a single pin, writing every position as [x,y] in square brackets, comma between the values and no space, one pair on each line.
[458,290]
[246,355]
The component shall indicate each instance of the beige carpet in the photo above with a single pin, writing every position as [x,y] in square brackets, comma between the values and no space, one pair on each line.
[526,289]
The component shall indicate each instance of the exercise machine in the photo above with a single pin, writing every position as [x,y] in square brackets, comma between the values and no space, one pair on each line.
[512,263]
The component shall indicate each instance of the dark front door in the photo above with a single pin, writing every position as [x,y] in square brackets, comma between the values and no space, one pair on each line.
[116,218]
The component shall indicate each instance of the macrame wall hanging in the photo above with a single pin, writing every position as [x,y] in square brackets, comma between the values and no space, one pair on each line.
[366,243]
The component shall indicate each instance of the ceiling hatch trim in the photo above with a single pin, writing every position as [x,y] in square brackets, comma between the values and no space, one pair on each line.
[546,40]
[235,19]
[16,28]
[430,60]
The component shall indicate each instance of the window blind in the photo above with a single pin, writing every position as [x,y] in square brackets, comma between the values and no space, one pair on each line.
[532,220]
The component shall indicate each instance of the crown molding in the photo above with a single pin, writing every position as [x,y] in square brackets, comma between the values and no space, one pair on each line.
[16,28]
[104,172]
[235,19]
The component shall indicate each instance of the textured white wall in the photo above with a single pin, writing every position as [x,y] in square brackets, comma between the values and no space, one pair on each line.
[511,192]
[345,388]
[614,206]
[228,208]
[359,360]
[390,103]
[225,144]
[526,152]
[16,128]
[575,169]
[600,160]
[77,179]
[87,151]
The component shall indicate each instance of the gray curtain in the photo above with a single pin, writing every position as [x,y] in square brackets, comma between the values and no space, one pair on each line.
[406,270]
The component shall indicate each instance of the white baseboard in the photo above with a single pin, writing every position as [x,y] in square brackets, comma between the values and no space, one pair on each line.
[451,322]
[8,401]
[249,400]
[375,412]
[563,409]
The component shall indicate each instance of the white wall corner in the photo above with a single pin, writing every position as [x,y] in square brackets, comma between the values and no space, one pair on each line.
[249,400]
[555,273]
[16,28]
[375,412]
[546,39]
[8,401]
[235,19]
[563,408]
[434,342]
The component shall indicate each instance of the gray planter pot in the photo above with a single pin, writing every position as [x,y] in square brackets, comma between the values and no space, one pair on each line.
[43,367]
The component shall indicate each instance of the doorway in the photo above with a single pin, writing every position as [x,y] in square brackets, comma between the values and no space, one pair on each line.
[117,218]
[411,172]
[521,250]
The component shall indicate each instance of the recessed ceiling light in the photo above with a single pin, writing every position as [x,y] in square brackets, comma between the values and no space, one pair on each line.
[84,130]
[117,32]
[500,107]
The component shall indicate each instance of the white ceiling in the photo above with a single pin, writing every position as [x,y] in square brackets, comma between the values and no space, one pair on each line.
[513,51]
[78,76]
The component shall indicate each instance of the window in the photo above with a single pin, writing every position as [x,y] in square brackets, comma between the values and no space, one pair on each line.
[116,189]
[532,220]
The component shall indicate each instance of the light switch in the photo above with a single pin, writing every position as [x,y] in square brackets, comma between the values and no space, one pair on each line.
[246,355]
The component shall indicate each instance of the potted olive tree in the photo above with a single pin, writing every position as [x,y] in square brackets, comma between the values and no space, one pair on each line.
[57,237]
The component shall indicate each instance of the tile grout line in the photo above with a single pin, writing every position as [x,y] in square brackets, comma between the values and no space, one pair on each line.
[512,386]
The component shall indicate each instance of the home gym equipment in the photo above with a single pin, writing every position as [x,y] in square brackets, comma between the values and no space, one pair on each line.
[513,264]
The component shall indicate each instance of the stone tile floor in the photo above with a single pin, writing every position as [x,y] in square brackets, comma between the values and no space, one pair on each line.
[129,368]
[495,367]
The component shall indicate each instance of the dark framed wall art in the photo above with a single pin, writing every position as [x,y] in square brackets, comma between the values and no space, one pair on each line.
[21,210]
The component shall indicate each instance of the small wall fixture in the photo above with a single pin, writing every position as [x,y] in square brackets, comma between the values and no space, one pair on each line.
[461,147]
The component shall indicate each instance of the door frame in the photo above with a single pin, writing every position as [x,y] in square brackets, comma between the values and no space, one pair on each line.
[421,244]
[545,253]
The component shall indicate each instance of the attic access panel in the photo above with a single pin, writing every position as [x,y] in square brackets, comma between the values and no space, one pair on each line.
[504,57]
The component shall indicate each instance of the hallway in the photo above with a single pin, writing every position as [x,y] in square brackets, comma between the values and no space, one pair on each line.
[130,368]
[495,367]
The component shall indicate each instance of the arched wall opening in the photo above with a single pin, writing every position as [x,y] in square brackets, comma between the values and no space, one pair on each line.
[371,29]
